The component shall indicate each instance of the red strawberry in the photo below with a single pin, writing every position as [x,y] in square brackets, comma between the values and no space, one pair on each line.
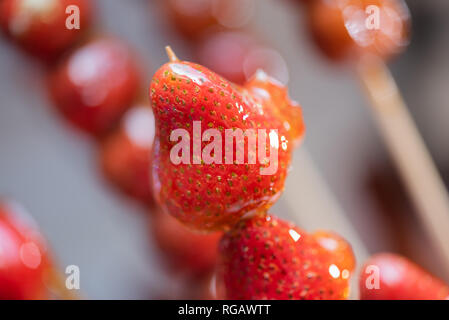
[339,27]
[95,85]
[40,26]
[125,154]
[265,257]
[211,196]
[391,277]
[186,251]
[23,256]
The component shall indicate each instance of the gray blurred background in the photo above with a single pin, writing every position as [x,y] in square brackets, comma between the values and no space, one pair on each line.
[53,171]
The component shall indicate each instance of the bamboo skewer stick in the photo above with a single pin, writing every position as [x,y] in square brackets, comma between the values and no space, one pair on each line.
[319,210]
[419,173]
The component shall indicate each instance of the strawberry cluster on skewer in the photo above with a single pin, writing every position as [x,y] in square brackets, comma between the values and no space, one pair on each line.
[280,260]
[261,256]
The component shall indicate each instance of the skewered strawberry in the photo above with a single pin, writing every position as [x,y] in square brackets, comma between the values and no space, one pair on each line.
[191,253]
[349,28]
[214,193]
[23,256]
[40,26]
[125,154]
[95,85]
[265,257]
[392,277]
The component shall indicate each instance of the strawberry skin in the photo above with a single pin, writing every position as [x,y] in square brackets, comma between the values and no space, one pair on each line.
[187,252]
[125,154]
[399,279]
[215,196]
[338,247]
[265,257]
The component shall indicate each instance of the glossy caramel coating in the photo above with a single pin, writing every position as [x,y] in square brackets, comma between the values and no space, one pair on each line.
[348,29]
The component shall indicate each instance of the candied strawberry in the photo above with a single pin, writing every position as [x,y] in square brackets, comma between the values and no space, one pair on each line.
[188,252]
[40,26]
[23,256]
[214,195]
[339,27]
[388,276]
[125,154]
[95,85]
[265,257]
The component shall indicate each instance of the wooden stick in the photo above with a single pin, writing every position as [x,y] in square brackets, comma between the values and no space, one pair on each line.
[317,208]
[409,152]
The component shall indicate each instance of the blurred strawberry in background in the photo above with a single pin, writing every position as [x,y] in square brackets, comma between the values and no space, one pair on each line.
[238,55]
[95,84]
[340,28]
[225,53]
[125,153]
[392,277]
[39,27]
[23,256]
[192,18]
[187,252]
